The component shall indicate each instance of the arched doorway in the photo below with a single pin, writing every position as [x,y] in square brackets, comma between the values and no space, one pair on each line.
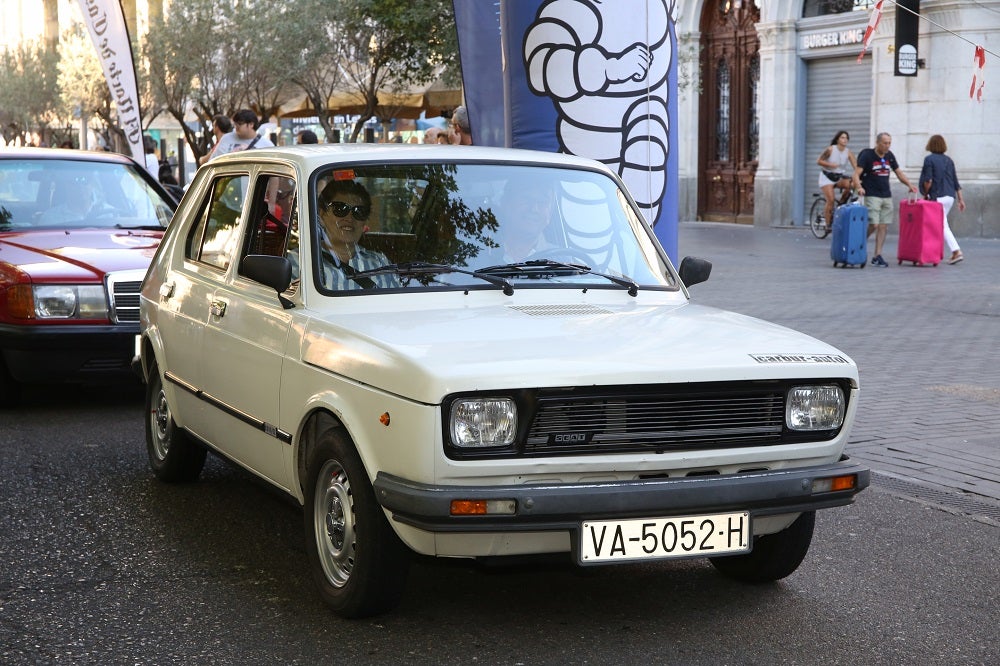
[727,126]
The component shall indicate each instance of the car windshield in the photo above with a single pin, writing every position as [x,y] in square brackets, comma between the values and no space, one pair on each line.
[455,225]
[51,193]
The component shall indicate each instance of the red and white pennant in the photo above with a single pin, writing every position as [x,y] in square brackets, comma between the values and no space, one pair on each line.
[978,82]
[873,20]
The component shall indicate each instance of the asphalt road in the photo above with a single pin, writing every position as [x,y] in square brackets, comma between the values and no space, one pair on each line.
[102,564]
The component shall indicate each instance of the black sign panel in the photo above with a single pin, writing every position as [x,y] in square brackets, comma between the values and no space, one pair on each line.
[907,39]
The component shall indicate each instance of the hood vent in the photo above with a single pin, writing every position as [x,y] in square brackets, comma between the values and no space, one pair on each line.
[560,310]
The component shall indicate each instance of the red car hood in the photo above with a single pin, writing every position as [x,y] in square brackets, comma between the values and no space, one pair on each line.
[78,254]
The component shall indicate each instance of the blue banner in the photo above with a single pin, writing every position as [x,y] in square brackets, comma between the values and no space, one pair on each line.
[595,78]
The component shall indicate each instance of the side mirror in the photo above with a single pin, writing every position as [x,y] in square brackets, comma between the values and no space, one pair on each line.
[274,272]
[694,270]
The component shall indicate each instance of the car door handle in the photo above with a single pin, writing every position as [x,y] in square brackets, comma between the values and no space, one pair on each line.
[218,308]
[166,290]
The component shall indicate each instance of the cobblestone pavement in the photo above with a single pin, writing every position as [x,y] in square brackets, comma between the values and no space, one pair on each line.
[926,340]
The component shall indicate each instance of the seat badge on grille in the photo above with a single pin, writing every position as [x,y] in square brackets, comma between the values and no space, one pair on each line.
[568,438]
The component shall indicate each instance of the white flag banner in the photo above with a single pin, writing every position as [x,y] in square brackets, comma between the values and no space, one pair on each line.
[873,19]
[106,23]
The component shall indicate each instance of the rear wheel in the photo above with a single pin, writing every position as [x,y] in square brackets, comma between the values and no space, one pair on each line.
[173,455]
[358,562]
[774,556]
[817,223]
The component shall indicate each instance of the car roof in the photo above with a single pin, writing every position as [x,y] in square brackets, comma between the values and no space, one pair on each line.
[64,154]
[312,156]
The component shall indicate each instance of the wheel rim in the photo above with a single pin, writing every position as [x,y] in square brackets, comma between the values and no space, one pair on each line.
[333,516]
[160,419]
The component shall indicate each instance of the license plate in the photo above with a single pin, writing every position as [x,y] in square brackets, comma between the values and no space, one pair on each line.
[658,538]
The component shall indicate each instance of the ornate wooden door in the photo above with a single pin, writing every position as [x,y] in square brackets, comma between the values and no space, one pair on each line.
[728,126]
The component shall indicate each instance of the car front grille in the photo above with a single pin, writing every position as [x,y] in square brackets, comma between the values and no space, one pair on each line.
[123,290]
[658,423]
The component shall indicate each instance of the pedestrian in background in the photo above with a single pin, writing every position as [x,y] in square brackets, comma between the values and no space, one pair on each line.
[459,129]
[834,172]
[243,137]
[307,136]
[221,125]
[152,162]
[871,180]
[939,182]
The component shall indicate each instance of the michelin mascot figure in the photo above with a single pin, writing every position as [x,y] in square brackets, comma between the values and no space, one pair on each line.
[606,71]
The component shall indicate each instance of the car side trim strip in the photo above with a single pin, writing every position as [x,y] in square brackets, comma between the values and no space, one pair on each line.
[263,426]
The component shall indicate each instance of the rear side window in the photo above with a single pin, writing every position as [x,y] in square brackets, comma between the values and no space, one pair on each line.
[214,239]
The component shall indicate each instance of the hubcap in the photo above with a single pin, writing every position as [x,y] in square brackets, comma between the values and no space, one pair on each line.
[160,418]
[333,516]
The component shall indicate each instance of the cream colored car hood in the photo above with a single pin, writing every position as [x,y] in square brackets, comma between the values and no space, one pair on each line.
[426,354]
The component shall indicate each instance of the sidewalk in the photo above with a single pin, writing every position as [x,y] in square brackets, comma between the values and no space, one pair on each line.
[926,341]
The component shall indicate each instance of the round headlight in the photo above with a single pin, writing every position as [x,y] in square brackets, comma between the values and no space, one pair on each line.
[815,407]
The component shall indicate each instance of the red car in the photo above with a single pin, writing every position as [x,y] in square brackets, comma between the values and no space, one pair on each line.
[77,232]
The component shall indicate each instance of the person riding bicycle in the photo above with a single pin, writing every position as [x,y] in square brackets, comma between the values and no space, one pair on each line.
[833,171]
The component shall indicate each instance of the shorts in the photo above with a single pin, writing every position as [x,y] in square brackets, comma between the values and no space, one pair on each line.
[879,210]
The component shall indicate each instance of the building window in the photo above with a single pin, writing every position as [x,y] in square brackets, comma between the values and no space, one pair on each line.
[753,143]
[824,7]
[722,117]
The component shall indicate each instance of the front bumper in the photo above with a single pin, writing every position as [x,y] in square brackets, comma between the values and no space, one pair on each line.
[68,352]
[549,507]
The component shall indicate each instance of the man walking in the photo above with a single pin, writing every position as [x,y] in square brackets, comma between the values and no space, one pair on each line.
[871,180]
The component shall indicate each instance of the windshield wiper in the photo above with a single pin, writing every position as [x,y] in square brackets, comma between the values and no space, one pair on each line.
[425,268]
[546,266]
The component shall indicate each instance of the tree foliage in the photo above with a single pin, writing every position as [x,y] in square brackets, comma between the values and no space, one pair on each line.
[210,57]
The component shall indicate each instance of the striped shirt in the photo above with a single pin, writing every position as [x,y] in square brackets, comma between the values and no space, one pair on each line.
[335,275]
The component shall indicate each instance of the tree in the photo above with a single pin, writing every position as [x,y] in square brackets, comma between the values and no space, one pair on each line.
[393,45]
[29,90]
[317,65]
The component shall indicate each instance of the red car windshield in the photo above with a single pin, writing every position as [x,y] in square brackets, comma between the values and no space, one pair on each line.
[49,193]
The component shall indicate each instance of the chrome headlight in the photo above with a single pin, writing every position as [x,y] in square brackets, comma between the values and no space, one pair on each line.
[483,422]
[67,301]
[815,407]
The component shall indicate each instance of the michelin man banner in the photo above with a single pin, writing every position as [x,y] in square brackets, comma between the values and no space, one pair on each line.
[105,21]
[595,78]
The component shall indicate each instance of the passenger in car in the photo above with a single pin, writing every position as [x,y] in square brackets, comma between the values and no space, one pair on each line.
[344,208]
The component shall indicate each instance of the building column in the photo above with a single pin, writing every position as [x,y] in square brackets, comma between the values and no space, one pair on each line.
[776,163]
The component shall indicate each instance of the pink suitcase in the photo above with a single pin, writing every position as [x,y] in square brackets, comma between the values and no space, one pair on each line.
[921,231]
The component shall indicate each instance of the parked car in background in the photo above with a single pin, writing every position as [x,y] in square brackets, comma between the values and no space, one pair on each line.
[77,232]
[479,353]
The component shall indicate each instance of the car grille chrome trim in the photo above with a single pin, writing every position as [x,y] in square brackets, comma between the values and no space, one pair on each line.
[123,295]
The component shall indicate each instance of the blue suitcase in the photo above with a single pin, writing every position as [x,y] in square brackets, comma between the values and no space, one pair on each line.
[850,236]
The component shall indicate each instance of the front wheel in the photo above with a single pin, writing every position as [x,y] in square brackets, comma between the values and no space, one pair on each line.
[774,556]
[358,562]
[173,455]
[817,223]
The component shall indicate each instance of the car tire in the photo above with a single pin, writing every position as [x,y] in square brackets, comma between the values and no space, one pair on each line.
[774,556]
[174,455]
[358,562]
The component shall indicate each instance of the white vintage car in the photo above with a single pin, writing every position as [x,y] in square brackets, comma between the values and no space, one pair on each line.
[478,353]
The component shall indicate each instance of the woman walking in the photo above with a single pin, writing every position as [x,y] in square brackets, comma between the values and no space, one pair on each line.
[939,182]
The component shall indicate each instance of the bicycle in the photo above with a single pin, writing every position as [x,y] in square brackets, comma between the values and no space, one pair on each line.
[818,223]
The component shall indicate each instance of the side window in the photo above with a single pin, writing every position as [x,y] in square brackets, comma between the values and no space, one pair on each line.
[271,214]
[213,240]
